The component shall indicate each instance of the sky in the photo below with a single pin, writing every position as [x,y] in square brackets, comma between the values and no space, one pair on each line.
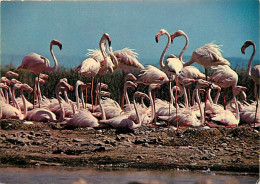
[28,27]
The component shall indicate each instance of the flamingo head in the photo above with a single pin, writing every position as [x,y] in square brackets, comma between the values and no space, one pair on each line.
[17,86]
[44,76]
[177,34]
[130,76]
[131,84]
[14,81]
[4,79]
[104,86]
[2,85]
[202,83]
[154,86]
[105,93]
[176,88]
[106,36]
[245,45]
[79,83]
[42,81]
[11,74]
[159,33]
[140,94]
[27,87]
[56,42]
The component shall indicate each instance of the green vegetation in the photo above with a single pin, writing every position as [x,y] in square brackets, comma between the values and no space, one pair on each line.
[115,83]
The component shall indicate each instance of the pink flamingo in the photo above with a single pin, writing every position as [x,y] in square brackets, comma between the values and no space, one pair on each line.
[11,74]
[43,114]
[37,63]
[123,121]
[172,65]
[253,73]
[224,77]
[12,112]
[84,118]
[129,76]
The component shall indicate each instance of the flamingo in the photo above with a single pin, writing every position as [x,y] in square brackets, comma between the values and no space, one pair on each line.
[172,65]
[253,73]
[38,64]
[127,59]
[188,115]
[9,111]
[43,114]
[11,74]
[224,77]
[128,84]
[5,96]
[123,121]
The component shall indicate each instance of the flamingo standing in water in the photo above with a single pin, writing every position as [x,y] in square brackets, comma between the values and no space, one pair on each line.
[253,73]
[38,64]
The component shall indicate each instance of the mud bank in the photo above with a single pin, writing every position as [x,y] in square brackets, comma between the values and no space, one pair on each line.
[52,144]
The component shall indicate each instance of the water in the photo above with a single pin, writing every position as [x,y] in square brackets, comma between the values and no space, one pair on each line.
[89,175]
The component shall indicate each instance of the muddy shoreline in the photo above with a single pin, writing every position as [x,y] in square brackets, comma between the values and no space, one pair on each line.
[52,144]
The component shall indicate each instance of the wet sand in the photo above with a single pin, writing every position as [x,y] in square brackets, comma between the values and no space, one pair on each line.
[52,144]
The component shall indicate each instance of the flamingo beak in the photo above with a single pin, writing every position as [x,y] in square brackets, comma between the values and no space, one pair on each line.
[157,38]
[243,49]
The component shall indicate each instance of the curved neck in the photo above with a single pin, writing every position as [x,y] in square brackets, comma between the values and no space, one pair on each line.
[14,100]
[101,107]
[217,97]
[66,96]
[54,59]
[62,115]
[102,47]
[184,48]
[40,94]
[185,96]
[125,97]
[209,96]
[152,103]
[77,95]
[82,97]
[236,105]
[24,104]
[164,51]
[138,123]
[199,104]
[251,60]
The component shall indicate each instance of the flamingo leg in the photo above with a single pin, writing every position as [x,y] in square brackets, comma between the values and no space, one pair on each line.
[96,97]
[38,90]
[189,96]
[176,106]
[155,118]
[92,102]
[206,94]
[34,91]
[170,86]
[257,99]
[224,98]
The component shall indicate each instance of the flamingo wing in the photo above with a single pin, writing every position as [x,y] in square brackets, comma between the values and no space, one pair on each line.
[35,63]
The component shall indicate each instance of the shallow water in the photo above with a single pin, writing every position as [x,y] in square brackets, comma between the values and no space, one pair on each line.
[39,175]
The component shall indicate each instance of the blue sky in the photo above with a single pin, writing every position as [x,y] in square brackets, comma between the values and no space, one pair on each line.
[28,27]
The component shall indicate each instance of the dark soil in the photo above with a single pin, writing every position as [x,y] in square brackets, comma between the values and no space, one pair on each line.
[52,144]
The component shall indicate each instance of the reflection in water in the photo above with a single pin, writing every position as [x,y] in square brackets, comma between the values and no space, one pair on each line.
[40,175]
